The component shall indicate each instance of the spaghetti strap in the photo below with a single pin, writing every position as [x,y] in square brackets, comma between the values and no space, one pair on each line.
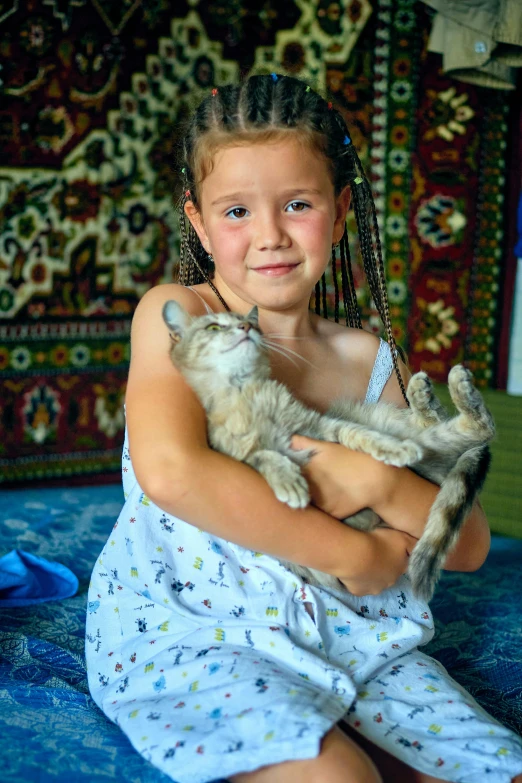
[382,369]
[208,308]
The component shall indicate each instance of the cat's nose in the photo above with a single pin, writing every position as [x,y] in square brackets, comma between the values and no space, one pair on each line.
[245,326]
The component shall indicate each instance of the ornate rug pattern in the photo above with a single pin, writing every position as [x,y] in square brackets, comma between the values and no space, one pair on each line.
[92,97]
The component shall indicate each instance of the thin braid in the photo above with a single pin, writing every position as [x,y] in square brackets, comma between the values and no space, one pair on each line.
[356,313]
[323,292]
[351,307]
[336,285]
[318,298]
[374,267]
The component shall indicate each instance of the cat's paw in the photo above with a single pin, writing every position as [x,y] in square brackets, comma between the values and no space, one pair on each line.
[469,402]
[424,406]
[291,489]
[397,453]
[420,391]
[460,382]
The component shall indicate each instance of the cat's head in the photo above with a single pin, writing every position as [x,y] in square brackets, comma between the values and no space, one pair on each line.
[225,347]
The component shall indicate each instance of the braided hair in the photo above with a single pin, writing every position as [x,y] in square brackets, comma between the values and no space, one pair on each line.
[262,108]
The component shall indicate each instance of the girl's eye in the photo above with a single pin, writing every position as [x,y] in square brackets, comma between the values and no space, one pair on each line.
[213,328]
[298,206]
[237,213]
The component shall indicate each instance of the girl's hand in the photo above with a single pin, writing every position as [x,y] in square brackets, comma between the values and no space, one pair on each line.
[342,481]
[389,551]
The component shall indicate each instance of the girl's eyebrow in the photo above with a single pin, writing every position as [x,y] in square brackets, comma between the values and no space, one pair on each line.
[285,194]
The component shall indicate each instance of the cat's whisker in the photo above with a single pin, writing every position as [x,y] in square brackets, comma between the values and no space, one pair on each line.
[277,349]
[284,336]
[285,350]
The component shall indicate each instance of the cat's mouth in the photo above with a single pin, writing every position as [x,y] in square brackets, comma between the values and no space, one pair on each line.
[244,339]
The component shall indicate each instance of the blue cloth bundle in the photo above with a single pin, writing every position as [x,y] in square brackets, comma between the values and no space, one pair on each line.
[28,579]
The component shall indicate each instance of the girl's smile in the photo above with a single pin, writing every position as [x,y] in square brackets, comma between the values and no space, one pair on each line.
[276,270]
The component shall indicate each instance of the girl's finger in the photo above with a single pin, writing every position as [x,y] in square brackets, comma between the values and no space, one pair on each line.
[299,442]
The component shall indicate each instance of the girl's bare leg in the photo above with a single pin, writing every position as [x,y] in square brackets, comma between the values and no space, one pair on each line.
[340,760]
[392,769]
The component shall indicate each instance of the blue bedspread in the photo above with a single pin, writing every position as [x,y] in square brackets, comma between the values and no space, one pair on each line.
[51,730]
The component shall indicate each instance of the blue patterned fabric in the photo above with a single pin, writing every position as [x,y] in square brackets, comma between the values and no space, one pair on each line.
[50,728]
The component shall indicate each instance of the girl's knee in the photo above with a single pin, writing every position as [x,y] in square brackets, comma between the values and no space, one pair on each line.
[342,760]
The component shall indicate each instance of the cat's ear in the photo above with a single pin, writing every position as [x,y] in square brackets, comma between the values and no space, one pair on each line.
[253,315]
[176,318]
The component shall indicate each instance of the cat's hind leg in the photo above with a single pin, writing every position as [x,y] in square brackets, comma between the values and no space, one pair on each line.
[475,420]
[425,407]
[283,476]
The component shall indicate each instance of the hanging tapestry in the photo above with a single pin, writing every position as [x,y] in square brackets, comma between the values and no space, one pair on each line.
[92,100]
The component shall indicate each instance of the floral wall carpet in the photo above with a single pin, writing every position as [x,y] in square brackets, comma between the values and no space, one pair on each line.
[91,99]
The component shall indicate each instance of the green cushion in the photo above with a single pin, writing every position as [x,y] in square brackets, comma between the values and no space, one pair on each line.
[501,497]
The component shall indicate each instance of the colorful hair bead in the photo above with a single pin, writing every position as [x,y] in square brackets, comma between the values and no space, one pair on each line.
[308,89]
[214,92]
[330,104]
[347,140]
[187,193]
[274,77]
[183,171]
[358,180]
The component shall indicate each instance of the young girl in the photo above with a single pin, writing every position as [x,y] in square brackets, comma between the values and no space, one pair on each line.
[214,659]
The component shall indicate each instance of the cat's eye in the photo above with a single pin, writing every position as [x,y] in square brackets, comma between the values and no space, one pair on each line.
[213,328]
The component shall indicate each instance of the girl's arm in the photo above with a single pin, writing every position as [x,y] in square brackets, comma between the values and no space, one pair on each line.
[179,472]
[400,497]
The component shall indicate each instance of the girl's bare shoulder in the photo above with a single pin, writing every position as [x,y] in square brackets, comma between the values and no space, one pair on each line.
[156,297]
[359,349]
[356,345]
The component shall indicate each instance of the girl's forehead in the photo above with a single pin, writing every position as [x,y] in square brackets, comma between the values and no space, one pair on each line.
[285,161]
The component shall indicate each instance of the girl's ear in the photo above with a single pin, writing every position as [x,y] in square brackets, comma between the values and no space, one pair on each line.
[342,205]
[176,318]
[194,215]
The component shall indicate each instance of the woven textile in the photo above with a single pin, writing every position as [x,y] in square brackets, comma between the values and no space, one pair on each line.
[92,98]
[45,705]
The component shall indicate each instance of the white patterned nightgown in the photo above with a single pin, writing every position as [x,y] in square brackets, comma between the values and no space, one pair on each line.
[204,654]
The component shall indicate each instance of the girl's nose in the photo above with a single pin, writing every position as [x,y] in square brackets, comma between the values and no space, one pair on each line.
[270,233]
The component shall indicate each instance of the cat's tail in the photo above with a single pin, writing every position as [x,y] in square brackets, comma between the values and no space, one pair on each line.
[452,505]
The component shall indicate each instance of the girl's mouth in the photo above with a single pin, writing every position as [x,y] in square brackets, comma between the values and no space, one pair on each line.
[276,270]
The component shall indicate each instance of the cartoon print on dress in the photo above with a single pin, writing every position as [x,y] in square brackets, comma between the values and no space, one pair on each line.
[178,586]
[159,572]
[166,524]
[160,685]
[219,578]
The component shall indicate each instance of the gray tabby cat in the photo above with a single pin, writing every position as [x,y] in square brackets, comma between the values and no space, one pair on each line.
[252,418]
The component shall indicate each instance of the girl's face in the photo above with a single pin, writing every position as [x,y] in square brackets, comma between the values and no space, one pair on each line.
[269,216]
